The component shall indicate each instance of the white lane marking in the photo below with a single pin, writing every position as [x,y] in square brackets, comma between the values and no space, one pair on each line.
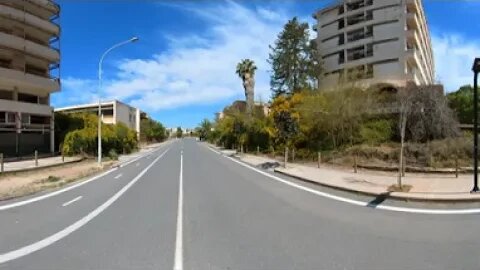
[118,176]
[35,199]
[48,195]
[72,201]
[15,254]
[359,203]
[178,264]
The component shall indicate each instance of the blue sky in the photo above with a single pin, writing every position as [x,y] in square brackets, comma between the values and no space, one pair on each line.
[183,68]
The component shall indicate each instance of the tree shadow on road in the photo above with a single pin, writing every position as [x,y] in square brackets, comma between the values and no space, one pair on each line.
[379,199]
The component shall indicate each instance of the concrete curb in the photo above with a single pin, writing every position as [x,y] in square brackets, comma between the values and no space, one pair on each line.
[400,196]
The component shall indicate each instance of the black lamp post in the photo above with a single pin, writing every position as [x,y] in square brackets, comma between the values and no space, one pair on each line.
[476,70]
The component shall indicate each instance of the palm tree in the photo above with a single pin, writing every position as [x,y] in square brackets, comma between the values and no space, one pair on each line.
[246,70]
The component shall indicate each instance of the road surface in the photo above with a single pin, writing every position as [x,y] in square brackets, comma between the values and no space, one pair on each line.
[185,206]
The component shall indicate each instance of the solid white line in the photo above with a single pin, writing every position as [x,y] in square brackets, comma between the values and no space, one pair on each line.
[118,176]
[35,199]
[51,194]
[359,203]
[178,264]
[72,201]
[15,254]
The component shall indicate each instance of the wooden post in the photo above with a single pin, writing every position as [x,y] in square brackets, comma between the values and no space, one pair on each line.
[285,159]
[319,158]
[456,167]
[36,158]
[355,163]
[1,162]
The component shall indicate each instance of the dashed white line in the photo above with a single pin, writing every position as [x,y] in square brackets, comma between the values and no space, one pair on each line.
[118,176]
[15,254]
[72,201]
[359,203]
[178,263]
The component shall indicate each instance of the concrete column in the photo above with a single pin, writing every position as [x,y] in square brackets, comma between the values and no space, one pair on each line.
[137,123]
[52,133]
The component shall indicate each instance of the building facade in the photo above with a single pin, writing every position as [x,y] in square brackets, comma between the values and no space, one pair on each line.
[113,112]
[374,41]
[29,74]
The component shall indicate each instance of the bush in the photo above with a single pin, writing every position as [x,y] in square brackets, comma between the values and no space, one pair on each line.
[118,137]
[376,131]
[112,154]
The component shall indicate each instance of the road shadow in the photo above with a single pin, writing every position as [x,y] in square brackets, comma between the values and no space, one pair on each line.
[269,165]
[379,199]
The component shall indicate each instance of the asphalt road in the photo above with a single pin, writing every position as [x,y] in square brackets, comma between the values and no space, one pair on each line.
[227,217]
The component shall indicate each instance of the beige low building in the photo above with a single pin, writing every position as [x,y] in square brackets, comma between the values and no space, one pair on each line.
[29,69]
[113,112]
[374,41]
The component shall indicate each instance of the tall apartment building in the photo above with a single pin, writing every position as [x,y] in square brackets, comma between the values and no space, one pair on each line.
[374,41]
[29,69]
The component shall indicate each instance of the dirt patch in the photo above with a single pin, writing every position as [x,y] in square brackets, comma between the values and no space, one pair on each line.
[397,188]
[26,183]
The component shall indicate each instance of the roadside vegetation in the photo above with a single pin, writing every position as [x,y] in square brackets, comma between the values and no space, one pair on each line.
[77,134]
[413,126]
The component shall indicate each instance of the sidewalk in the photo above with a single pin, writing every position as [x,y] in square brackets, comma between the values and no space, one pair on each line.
[26,165]
[425,187]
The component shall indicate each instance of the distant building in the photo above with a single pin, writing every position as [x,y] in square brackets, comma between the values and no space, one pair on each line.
[29,65]
[374,41]
[113,112]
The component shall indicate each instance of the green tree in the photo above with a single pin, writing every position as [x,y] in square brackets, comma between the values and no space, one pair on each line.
[246,71]
[204,129]
[461,101]
[179,132]
[151,130]
[294,59]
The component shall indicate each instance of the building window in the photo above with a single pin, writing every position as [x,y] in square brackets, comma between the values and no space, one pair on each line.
[39,120]
[5,94]
[341,39]
[341,24]
[10,117]
[26,119]
[355,5]
[36,70]
[341,10]
[356,53]
[341,57]
[27,98]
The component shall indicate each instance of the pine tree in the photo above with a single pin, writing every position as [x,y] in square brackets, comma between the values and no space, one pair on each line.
[294,59]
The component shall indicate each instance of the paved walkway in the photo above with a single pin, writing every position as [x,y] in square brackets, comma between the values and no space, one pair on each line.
[442,187]
[24,165]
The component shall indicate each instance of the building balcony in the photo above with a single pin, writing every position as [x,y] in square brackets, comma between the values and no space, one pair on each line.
[31,48]
[25,107]
[10,78]
[29,19]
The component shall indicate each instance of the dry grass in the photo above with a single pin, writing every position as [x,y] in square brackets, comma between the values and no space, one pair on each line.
[27,183]
[397,188]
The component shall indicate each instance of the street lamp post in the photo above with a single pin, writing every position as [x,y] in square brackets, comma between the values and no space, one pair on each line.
[133,39]
[476,70]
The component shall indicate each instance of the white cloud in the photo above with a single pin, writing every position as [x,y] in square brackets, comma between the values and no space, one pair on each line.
[454,56]
[200,68]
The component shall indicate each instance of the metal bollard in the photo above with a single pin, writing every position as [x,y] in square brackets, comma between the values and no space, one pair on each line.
[319,159]
[36,158]
[456,167]
[355,163]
